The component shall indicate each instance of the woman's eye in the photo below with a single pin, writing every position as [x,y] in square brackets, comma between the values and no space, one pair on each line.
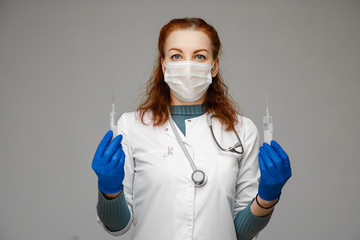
[175,56]
[201,57]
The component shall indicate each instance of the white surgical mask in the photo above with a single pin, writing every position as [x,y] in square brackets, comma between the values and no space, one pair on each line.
[188,80]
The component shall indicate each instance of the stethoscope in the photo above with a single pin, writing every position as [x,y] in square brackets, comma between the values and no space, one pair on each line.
[199,177]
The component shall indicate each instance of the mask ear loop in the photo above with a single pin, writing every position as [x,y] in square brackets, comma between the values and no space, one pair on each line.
[211,68]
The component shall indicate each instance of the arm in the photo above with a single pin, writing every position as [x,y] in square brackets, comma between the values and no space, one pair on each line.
[258,211]
[275,171]
[249,219]
[247,224]
[114,208]
[114,213]
[111,196]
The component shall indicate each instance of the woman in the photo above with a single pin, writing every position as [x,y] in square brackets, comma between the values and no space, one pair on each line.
[144,173]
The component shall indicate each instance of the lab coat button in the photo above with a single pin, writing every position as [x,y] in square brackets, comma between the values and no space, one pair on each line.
[166,129]
[189,120]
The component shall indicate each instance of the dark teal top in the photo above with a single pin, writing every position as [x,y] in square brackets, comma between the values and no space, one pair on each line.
[115,213]
[180,113]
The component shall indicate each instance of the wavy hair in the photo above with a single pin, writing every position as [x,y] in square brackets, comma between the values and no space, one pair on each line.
[157,93]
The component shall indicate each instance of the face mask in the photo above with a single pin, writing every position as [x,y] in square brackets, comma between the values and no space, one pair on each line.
[188,80]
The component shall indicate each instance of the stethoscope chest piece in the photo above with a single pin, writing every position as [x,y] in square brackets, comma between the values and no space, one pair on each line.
[199,177]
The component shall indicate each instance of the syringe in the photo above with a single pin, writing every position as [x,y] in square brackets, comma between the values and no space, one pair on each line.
[268,125]
[113,117]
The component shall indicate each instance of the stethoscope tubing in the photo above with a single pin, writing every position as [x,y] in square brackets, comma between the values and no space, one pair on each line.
[182,144]
[230,149]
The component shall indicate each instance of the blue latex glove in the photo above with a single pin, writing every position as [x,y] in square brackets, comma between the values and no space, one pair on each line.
[108,164]
[275,170]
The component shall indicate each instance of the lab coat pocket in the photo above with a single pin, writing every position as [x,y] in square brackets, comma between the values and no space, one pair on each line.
[151,168]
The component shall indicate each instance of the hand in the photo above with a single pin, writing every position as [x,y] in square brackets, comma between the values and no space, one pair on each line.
[275,170]
[108,164]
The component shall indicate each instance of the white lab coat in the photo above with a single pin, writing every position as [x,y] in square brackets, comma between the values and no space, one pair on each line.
[161,196]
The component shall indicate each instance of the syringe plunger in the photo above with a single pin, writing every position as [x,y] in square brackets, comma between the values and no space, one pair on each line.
[113,117]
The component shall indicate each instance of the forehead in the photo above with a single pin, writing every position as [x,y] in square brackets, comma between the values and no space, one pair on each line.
[187,39]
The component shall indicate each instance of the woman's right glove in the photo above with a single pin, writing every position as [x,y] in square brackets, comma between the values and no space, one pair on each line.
[108,164]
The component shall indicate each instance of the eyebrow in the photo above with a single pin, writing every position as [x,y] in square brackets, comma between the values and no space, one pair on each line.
[177,49]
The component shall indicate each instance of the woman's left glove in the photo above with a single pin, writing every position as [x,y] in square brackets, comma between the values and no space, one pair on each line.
[275,170]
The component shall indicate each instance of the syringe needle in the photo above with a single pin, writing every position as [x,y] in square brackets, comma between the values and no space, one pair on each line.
[113,101]
[112,96]
[266,96]
[267,103]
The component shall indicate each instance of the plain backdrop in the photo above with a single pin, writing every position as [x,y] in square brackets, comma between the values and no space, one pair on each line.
[60,60]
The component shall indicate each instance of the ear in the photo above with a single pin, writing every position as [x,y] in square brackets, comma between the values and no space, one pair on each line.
[215,69]
[162,66]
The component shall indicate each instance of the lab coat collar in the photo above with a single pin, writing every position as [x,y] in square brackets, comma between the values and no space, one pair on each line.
[167,130]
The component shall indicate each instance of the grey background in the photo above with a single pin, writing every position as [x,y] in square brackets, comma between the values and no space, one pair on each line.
[59,61]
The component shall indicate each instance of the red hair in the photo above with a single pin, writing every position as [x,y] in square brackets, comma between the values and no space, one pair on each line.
[157,96]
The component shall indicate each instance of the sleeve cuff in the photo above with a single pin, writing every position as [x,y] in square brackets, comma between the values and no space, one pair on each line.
[113,214]
[248,225]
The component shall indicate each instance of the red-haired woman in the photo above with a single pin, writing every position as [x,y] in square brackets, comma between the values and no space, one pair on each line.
[168,171]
